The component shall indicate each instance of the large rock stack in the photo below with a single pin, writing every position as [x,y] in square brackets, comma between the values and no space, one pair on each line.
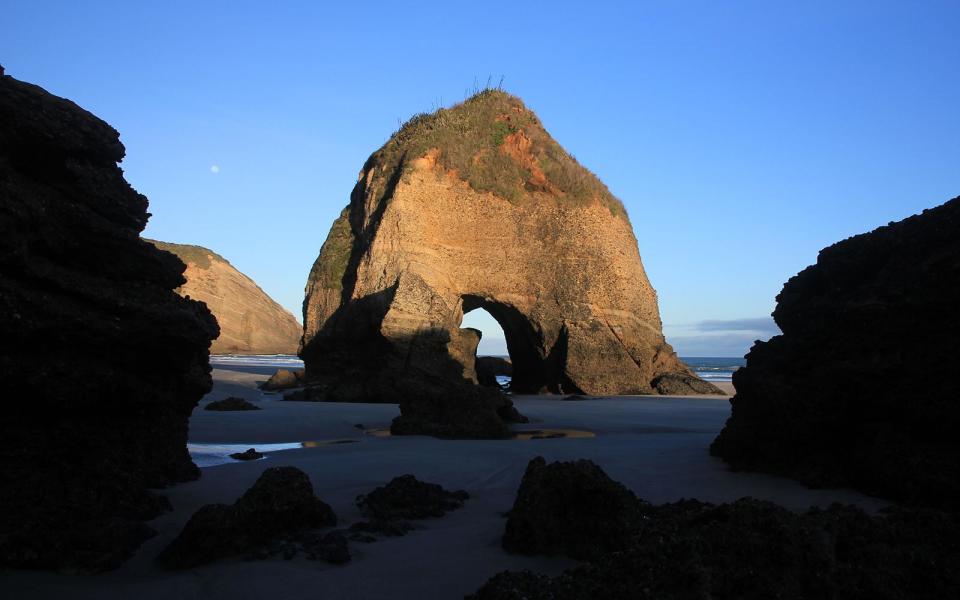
[861,387]
[478,207]
[101,361]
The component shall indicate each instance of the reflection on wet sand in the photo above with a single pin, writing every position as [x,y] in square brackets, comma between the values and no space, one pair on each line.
[212,455]
[522,434]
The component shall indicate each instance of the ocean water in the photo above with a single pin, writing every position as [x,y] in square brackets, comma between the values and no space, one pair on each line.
[710,368]
[280,361]
[714,368]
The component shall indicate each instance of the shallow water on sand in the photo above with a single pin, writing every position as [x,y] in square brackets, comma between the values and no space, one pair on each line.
[212,455]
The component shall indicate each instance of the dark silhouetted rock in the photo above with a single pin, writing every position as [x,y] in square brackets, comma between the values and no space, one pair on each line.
[331,547]
[251,322]
[389,507]
[858,390]
[101,362]
[283,379]
[495,215]
[281,503]
[389,528]
[406,497]
[488,367]
[231,403]
[755,550]
[570,508]
[248,454]
[450,410]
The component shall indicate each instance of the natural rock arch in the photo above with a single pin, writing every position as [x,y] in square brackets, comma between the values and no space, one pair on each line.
[532,371]
[477,206]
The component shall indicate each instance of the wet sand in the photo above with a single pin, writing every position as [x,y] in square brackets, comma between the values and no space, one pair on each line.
[657,446]
[726,386]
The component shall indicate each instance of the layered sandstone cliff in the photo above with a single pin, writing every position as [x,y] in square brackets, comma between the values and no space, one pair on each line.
[861,387]
[101,362]
[478,207]
[251,322]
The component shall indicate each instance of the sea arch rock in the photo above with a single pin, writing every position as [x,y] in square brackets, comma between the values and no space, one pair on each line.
[478,207]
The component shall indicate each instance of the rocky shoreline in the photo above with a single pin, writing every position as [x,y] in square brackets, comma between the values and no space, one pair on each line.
[105,363]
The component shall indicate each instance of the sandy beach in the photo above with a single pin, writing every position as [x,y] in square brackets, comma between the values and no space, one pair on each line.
[657,446]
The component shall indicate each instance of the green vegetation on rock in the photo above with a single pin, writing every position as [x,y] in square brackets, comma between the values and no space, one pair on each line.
[496,144]
[335,254]
[197,255]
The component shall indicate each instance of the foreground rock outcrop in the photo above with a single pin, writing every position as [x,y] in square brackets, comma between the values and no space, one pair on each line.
[281,504]
[233,403]
[752,549]
[101,361]
[390,508]
[573,509]
[478,207]
[406,497]
[251,322]
[696,550]
[858,389]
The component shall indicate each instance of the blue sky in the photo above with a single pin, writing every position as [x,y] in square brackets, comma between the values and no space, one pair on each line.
[741,136]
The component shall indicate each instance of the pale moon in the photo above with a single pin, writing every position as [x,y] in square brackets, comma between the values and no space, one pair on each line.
[214,169]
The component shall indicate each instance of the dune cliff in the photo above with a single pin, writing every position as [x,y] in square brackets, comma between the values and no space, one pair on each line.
[251,322]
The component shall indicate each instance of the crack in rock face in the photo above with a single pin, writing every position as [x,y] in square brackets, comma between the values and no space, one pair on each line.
[453,214]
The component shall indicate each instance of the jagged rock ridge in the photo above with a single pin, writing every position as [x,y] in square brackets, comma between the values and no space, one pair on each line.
[478,207]
[859,390]
[101,361]
[251,322]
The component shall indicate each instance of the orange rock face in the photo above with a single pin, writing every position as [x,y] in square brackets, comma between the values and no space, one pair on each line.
[251,322]
[512,225]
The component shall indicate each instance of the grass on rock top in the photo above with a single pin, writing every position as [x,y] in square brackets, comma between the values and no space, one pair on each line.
[472,139]
[197,255]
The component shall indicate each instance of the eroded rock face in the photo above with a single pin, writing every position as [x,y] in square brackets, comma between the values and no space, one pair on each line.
[101,362]
[858,389]
[251,322]
[478,207]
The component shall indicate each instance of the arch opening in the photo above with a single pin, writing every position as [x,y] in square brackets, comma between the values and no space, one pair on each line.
[492,361]
[532,369]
